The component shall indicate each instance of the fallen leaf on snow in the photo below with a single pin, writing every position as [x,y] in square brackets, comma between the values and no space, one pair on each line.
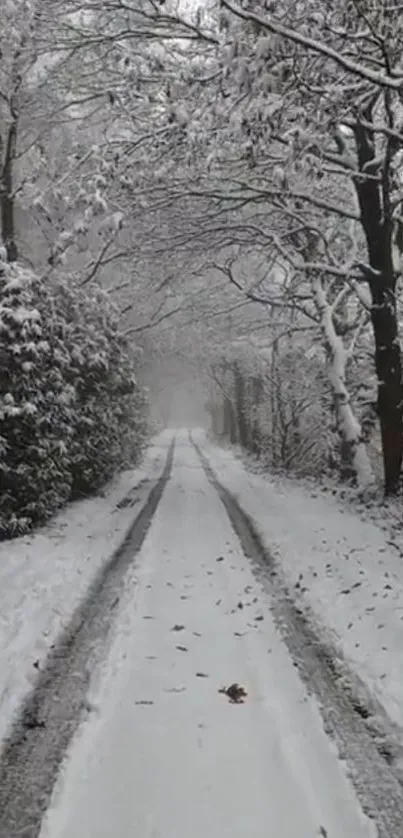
[235,693]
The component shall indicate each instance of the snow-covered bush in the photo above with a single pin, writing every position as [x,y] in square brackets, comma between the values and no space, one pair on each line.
[71,412]
[109,428]
[35,416]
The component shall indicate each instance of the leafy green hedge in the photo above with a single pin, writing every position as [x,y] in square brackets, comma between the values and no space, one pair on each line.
[71,411]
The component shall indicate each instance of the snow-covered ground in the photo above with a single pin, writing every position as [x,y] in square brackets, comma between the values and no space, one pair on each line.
[161,752]
[339,566]
[164,754]
[44,576]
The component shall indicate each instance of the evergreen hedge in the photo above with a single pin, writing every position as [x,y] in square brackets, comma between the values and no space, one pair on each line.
[71,411]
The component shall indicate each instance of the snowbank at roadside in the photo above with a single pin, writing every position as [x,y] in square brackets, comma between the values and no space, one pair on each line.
[44,576]
[338,565]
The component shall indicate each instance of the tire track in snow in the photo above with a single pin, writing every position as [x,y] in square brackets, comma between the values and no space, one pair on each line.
[345,719]
[32,754]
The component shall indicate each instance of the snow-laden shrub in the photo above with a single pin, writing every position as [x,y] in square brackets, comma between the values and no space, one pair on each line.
[110,427]
[35,422]
[71,412]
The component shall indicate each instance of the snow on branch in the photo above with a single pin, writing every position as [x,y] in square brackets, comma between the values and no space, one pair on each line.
[319,47]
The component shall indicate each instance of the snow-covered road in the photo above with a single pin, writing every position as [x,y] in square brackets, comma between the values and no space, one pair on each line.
[162,753]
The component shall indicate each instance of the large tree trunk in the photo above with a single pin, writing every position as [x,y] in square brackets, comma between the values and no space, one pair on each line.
[229,419]
[388,364]
[256,437]
[376,218]
[7,221]
[273,404]
[215,415]
[240,402]
[355,463]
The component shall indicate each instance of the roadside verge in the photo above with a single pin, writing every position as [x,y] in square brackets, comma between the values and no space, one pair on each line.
[340,569]
[353,715]
[46,575]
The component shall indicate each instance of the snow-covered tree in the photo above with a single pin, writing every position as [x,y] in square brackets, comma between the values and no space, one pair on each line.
[296,115]
[318,97]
